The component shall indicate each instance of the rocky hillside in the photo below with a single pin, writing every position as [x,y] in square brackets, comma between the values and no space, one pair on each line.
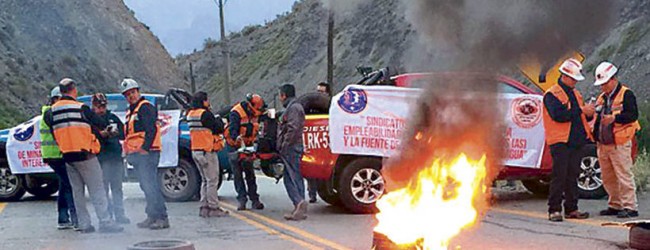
[96,42]
[292,49]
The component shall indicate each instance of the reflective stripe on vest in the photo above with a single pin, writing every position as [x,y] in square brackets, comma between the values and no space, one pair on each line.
[200,137]
[558,132]
[49,148]
[72,132]
[134,140]
[244,123]
[622,132]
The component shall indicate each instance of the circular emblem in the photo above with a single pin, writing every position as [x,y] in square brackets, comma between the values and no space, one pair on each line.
[24,132]
[165,122]
[353,100]
[526,111]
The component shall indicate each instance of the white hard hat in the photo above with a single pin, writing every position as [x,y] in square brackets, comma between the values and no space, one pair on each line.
[56,92]
[128,84]
[604,72]
[572,67]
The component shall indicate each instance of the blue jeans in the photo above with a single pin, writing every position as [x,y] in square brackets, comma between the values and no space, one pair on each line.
[64,201]
[293,180]
[113,174]
[245,181]
[146,167]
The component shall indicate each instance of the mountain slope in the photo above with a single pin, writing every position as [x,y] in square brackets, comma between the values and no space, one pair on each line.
[96,42]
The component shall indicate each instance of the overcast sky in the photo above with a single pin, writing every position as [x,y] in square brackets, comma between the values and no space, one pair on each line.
[183,25]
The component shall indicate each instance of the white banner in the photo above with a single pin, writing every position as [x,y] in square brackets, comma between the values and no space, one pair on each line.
[24,142]
[370,120]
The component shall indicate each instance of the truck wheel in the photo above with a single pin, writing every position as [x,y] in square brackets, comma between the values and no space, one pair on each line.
[538,187]
[11,186]
[590,184]
[42,187]
[180,183]
[328,194]
[361,184]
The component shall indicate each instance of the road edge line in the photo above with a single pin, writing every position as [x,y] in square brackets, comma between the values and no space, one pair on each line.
[590,221]
[2,206]
[303,233]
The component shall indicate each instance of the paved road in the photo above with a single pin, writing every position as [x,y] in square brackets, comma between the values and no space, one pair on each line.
[516,221]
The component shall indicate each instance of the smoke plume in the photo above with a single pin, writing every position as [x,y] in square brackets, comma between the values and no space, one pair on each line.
[341,7]
[458,112]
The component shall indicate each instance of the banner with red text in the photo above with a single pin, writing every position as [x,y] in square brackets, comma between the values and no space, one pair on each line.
[370,120]
[24,148]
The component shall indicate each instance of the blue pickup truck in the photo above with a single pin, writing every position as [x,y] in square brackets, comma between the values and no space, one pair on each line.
[179,182]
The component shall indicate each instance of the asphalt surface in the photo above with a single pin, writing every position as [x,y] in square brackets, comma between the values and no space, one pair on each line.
[517,220]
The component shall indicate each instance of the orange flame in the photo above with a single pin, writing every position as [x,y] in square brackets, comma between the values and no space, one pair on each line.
[436,206]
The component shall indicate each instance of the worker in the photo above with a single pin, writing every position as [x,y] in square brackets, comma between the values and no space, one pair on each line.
[206,139]
[52,156]
[242,129]
[324,88]
[110,158]
[615,127]
[71,123]
[567,133]
[313,184]
[290,146]
[142,147]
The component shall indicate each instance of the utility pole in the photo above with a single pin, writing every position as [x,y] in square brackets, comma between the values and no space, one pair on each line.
[226,51]
[330,49]
[192,83]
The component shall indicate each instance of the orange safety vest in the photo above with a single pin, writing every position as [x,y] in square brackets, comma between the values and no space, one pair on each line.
[558,132]
[201,138]
[245,123]
[134,140]
[73,132]
[622,132]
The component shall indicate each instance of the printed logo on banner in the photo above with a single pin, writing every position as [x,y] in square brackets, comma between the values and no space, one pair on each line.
[353,100]
[24,132]
[165,121]
[526,111]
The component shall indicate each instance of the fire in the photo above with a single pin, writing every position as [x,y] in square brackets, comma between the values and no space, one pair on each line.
[436,206]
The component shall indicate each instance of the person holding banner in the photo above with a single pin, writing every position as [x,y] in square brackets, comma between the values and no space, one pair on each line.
[616,124]
[567,132]
[142,147]
[290,146]
[54,158]
[206,139]
[72,123]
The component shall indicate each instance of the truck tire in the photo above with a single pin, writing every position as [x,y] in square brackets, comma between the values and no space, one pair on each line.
[41,187]
[328,194]
[539,187]
[12,186]
[315,103]
[181,183]
[590,184]
[360,185]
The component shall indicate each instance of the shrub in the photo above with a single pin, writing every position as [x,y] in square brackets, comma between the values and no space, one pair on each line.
[209,43]
[641,171]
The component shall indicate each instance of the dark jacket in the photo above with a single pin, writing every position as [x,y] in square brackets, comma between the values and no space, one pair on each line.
[629,114]
[292,123]
[560,113]
[93,119]
[146,121]
[209,121]
[111,147]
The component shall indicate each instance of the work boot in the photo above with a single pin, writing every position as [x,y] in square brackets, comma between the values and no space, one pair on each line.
[122,220]
[203,212]
[65,225]
[110,228]
[610,212]
[146,223]
[159,224]
[217,212]
[312,199]
[242,206]
[627,213]
[258,205]
[87,230]
[301,211]
[555,217]
[576,215]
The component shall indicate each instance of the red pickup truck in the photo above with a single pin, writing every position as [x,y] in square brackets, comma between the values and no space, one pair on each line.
[356,183]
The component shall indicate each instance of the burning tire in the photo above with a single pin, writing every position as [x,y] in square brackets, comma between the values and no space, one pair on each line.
[181,183]
[640,236]
[590,184]
[539,187]
[361,184]
[327,194]
[11,186]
